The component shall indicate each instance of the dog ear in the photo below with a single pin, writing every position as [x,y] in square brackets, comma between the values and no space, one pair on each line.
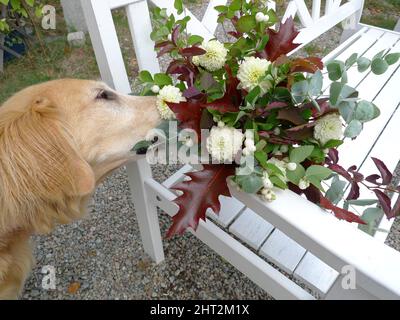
[40,167]
[60,159]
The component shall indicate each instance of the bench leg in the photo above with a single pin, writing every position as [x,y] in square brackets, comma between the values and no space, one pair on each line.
[146,212]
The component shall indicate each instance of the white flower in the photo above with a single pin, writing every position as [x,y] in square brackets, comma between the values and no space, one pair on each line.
[168,94]
[221,124]
[277,131]
[214,58]
[155,89]
[266,18]
[304,184]
[328,128]
[266,181]
[269,195]
[260,17]
[224,143]
[291,166]
[250,72]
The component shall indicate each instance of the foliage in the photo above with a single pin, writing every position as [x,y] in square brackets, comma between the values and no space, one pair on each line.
[288,108]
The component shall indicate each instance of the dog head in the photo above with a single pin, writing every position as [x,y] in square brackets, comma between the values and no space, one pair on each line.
[60,138]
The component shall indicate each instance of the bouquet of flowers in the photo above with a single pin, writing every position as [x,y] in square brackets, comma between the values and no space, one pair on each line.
[273,121]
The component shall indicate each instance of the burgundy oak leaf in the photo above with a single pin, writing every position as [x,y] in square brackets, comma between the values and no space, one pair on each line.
[199,194]
[189,114]
[384,201]
[281,42]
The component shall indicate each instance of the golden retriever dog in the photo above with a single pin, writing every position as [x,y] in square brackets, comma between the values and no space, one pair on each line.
[58,140]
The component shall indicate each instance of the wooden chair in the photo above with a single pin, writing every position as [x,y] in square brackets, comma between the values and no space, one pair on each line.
[291,238]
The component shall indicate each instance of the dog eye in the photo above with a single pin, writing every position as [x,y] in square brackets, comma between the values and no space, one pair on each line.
[105,95]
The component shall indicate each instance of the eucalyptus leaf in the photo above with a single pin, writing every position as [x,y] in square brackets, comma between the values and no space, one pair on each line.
[251,183]
[316,83]
[300,91]
[335,69]
[392,58]
[353,129]
[363,64]
[379,66]
[365,111]
[372,216]
[296,175]
[336,191]
[298,155]
[351,60]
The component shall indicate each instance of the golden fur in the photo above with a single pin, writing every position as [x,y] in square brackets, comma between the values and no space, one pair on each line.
[58,140]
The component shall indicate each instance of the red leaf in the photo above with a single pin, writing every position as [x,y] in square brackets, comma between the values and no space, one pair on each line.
[340,213]
[292,115]
[175,35]
[384,201]
[199,194]
[166,49]
[354,192]
[193,51]
[276,105]
[333,155]
[189,114]
[342,171]
[309,64]
[385,173]
[232,99]
[373,178]
[281,42]
[396,209]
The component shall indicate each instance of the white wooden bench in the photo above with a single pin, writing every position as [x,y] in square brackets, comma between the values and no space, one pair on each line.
[289,241]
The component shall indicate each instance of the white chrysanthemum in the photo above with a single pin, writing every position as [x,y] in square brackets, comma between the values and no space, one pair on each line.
[215,57]
[224,143]
[250,72]
[328,128]
[168,94]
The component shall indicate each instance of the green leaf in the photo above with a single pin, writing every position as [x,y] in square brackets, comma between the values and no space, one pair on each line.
[392,58]
[5,2]
[296,175]
[335,69]
[251,183]
[30,2]
[145,76]
[253,95]
[273,169]
[379,66]
[141,145]
[278,182]
[340,91]
[298,155]
[300,91]
[363,203]
[246,23]
[161,79]
[194,39]
[316,82]
[221,9]
[353,129]
[365,111]
[315,174]
[178,5]
[372,216]
[363,64]
[332,144]
[351,60]
[336,191]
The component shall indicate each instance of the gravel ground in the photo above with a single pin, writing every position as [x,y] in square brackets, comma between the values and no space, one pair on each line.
[101,257]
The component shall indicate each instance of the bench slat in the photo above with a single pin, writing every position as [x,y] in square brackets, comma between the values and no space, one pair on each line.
[282,251]
[230,208]
[316,274]
[251,228]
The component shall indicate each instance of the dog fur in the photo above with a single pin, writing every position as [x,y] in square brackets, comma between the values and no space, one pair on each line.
[58,140]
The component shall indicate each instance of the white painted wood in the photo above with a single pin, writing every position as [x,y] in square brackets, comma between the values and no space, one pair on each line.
[211,15]
[338,293]
[115,4]
[316,9]
[230,208]
[315,25]
[314,229]
[251,228]
[112,69]
[177,175]
[315,273]
[355,152]
[282,251]
[242,258]
[194,26]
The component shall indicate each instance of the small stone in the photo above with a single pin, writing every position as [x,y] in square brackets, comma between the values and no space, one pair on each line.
[76,39]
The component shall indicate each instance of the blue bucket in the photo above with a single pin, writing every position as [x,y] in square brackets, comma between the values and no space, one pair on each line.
[17,47]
